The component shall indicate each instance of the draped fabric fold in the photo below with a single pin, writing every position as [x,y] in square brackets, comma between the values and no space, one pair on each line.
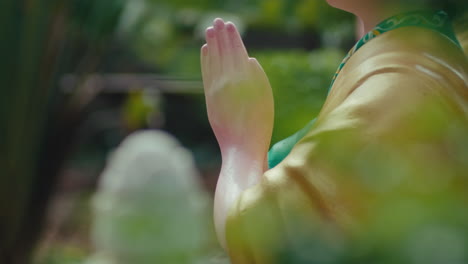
[395,117]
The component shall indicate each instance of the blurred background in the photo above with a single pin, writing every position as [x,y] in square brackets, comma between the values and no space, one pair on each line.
[78,76]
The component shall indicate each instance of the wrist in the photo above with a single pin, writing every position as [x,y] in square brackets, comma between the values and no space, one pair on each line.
[240,170]
[247,166]
[241,167]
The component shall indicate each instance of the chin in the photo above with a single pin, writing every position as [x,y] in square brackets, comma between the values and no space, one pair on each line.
[332,2]
[346,5]
[337,3]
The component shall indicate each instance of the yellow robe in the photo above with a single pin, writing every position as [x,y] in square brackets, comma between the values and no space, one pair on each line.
[390,131]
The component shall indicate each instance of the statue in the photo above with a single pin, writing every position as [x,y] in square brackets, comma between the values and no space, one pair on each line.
[150,207]
[396,108]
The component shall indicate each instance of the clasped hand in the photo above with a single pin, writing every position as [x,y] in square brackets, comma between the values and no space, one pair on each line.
[238,94]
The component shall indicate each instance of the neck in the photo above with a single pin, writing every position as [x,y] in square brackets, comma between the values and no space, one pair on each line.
[381,12]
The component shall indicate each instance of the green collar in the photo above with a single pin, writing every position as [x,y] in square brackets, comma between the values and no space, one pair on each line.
[438,21]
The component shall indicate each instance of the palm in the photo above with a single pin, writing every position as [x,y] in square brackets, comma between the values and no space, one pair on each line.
[238,95]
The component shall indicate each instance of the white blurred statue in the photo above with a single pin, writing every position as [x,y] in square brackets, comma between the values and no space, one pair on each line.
[150,207]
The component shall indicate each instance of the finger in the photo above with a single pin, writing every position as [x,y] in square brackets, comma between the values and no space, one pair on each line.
[218,25]
[226,54]
[235,41]
[204,65]
[213,52]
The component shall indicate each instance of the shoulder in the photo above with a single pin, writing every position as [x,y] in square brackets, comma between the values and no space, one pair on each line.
[401,68]
[419,52]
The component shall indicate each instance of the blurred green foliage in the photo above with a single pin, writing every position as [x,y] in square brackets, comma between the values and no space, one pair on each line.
[64,255]
[165,32]
[95,19]
[300,82]
[139,107]
[39,42]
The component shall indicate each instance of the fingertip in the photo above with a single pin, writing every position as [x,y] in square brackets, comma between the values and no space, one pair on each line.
[210,32]
[230,27]
[218,24]
[218,20]
[204,49]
